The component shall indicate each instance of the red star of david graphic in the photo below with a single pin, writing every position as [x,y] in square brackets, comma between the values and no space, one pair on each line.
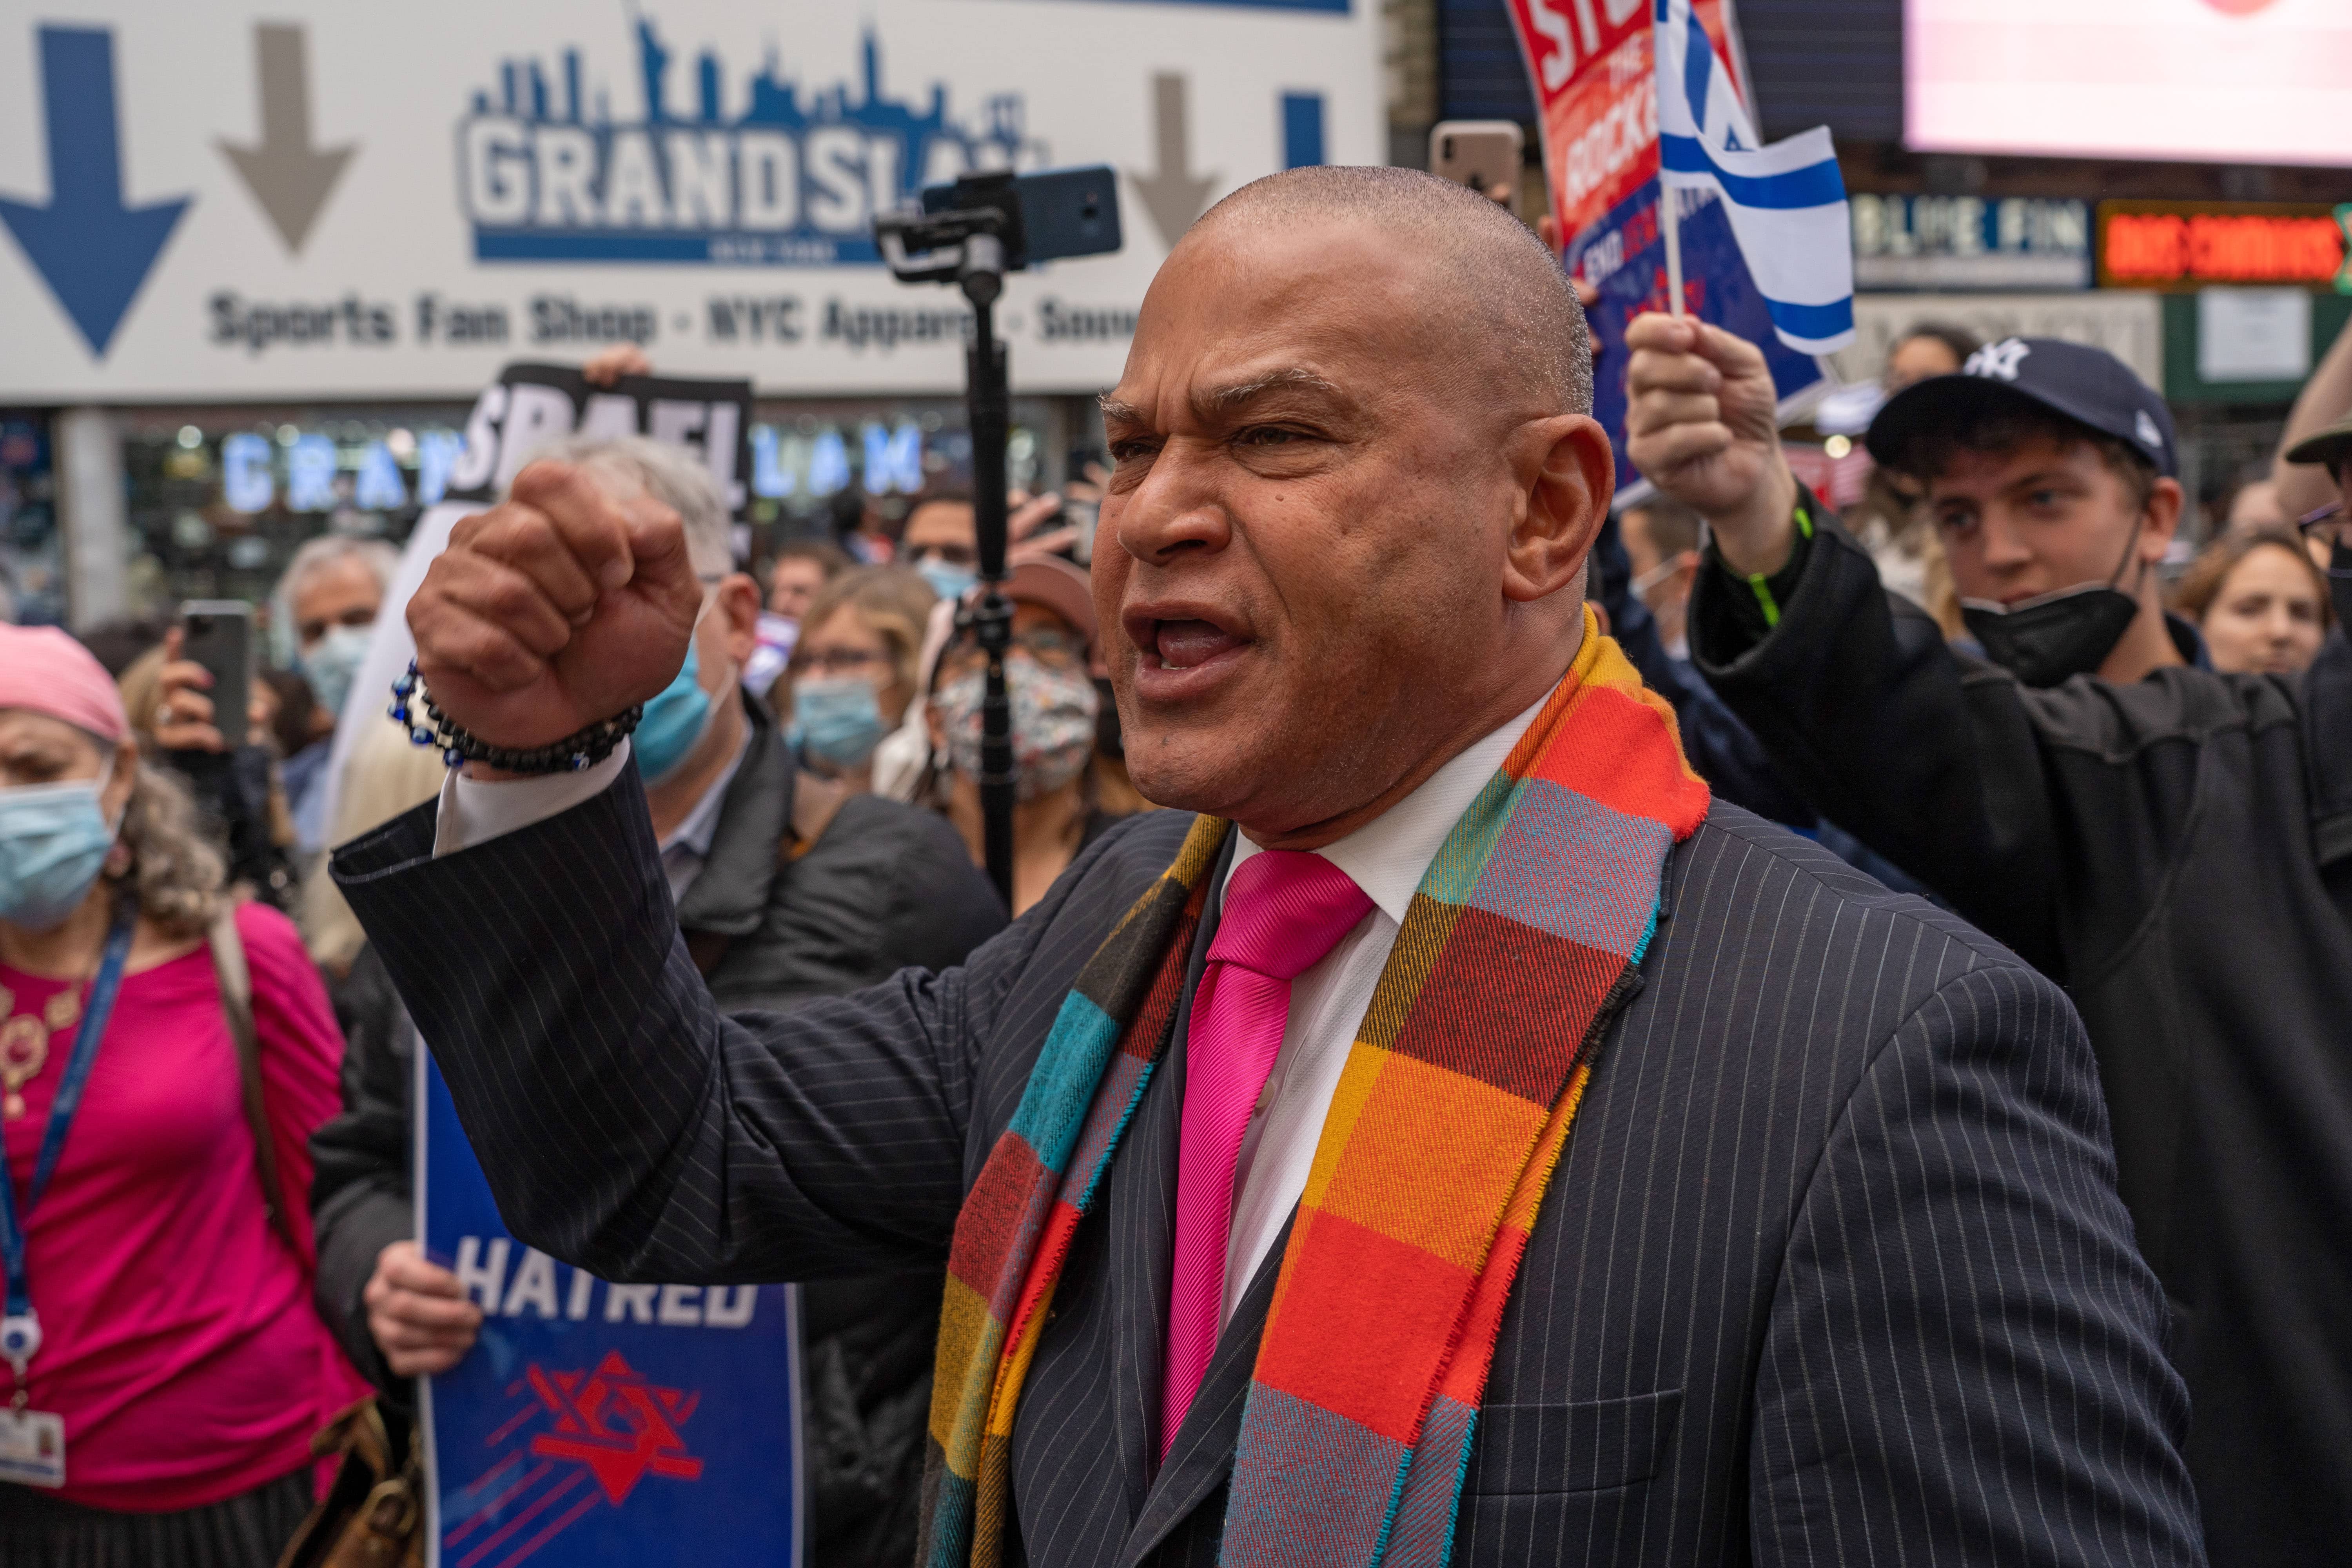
[615,1423]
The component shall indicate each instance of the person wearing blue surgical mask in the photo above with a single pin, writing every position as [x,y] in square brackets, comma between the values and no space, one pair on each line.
[942,543]
[692,739]
[164,1362]
[852,673]
[331,595]
[941,540]
[328,600]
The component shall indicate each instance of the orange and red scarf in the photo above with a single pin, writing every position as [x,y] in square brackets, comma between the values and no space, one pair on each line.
[1447,1124]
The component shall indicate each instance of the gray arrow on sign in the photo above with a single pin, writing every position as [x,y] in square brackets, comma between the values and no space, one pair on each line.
[286,176]
[1170,193]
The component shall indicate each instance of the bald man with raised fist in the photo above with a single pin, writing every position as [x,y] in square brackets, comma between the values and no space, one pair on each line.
[1445,1135]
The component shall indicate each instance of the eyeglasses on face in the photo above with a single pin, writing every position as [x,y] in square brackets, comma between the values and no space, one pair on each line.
[838,661]
[2329,524]
[1052,647]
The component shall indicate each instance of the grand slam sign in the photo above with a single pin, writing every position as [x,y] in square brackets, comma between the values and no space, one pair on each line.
[551,177]
[335,202]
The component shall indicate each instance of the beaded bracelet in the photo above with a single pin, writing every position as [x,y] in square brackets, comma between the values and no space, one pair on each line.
[582,748]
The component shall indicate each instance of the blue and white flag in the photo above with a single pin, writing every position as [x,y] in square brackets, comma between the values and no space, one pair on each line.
[1786,202]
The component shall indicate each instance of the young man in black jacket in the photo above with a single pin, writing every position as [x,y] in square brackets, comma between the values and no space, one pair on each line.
[2173,845]
[786,889]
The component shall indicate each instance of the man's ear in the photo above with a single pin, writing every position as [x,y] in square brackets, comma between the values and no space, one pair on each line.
[1569,475]
[2160,517]
[739,601]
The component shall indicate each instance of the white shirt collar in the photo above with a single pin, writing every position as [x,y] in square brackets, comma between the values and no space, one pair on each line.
[700,826]
[1389,855]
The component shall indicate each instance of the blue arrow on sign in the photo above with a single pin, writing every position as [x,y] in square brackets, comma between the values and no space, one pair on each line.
[91,250]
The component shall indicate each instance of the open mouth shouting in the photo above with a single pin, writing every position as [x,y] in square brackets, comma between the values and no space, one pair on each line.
[1183,652]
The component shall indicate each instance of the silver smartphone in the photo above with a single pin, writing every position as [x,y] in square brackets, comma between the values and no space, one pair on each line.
[1479,153]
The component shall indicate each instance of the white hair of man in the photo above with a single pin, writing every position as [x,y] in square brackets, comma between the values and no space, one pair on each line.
[316,555]
[330,548]
[672,475]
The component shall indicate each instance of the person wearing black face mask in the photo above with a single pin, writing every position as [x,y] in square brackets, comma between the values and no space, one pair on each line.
[2045,638]
[2172,844]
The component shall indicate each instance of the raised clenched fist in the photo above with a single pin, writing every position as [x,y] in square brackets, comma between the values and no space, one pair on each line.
[1701,424]
[557,608]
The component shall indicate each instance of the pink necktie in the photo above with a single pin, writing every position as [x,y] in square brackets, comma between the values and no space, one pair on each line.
[1283,909]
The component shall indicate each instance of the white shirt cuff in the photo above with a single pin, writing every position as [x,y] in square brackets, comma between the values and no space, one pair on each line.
[475,811]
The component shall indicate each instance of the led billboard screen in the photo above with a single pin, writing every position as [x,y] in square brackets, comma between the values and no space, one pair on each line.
[2245,81]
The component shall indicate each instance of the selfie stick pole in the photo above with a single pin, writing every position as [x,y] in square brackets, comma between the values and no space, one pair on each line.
[973,246]
[990,399]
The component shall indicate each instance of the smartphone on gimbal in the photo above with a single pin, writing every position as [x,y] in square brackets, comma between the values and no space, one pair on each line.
[1063,212]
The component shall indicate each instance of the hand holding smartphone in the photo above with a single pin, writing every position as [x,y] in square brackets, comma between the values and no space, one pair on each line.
[216,636]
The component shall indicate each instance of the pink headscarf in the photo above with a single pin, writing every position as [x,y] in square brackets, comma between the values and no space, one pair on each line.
[43,671]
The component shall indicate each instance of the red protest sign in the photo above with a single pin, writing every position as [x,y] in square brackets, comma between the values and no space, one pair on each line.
[1590,64]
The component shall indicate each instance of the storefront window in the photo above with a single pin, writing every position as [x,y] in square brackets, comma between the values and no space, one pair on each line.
[32,564]
[219,499]
[816,465]
[804,453]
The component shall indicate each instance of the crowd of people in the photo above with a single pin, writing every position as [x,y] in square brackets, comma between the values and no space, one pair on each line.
[2011,715]
[811,777]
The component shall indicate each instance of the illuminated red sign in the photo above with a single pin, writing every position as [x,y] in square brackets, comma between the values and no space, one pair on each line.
[2179,244]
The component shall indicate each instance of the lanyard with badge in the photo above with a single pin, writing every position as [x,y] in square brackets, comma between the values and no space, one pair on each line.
[33,1442]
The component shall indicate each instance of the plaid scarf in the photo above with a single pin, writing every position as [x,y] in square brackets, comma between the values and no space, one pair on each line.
[1449,1119]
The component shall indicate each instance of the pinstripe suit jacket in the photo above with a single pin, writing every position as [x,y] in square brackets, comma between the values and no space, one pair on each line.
[1834,1270]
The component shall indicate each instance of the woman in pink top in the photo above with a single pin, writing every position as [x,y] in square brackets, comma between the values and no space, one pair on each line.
[173,1367]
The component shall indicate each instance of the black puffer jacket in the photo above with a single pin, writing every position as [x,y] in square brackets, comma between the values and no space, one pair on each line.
[773,925]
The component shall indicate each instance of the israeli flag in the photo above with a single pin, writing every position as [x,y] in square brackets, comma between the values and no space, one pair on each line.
[1787,202]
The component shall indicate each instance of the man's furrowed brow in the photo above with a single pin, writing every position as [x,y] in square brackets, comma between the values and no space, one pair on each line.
[1225,399]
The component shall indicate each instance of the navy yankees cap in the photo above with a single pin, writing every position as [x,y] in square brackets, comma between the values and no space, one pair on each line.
[2088,386]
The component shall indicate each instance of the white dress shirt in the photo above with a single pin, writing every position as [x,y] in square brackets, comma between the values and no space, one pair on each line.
[475,811]
[1387,856]
[687,845]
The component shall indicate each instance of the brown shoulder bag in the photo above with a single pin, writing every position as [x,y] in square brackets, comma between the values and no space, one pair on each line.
[373,1516]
